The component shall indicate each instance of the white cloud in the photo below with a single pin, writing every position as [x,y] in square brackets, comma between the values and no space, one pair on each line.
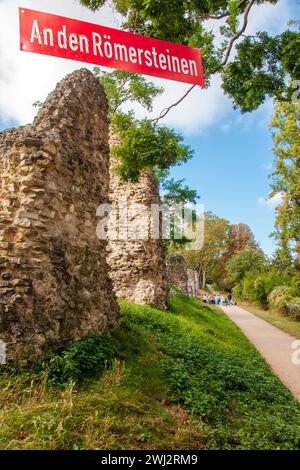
[200,110]
[26,78]
[226,127]
[268,166]
[272,202]
[272,19]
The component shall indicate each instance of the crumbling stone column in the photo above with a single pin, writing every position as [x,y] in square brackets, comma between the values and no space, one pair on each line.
[54,283]
[193,283]
[177,272]
[137,266]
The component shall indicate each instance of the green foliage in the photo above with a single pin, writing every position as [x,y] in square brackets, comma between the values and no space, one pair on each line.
[93,4]
[146,146]
[286,181]
[175,195]
[243,262]
[262,65]
[122,87]
[285,267]
[222,243]
[214,373]
[237,292]
[143,144]
[174,192]
[260,69]
[86,357]
[188,379]
[257,288]
[292,308]
[279,296]
[207,261]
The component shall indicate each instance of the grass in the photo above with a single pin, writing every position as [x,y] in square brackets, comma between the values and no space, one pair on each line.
[185,379]
[276,318]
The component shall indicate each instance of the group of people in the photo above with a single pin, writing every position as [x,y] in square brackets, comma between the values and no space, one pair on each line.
[218,300]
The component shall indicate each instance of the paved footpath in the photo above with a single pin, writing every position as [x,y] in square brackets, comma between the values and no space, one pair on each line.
[273,344]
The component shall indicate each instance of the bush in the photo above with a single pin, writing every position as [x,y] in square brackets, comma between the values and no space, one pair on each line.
[279,296]
[85,357]
[237,292]
[258,288]
[292,308]
[243,262]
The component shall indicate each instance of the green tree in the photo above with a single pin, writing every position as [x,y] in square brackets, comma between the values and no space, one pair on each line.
[242,263]
[222,243]
[262,63]
[260,69]
[286,182]
[206,261]
[240,238]
[174,192]
[176,196]
[124,87]
[143,144]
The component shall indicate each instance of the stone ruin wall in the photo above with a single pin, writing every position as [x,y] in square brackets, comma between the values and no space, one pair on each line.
[57,279]
[186,280]
[176,272]
[193,283]
[54,286]
[137,266]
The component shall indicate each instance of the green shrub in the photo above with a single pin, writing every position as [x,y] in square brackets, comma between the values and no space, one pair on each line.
[258,288]
[292,308]
[279,296]
[243,262]
[85,357]
[237,292]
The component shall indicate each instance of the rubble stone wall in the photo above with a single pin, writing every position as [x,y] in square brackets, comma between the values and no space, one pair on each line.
[193,283]
[54,283]
[136,258]
[178,276]
[176,272]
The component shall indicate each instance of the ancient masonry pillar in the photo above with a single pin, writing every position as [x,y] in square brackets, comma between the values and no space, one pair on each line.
[177,273]
[137,262]
[54,283]
[193,283]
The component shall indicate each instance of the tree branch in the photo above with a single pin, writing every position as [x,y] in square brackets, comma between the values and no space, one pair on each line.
[165,111]
[168,109]
[239,34]
[216,17]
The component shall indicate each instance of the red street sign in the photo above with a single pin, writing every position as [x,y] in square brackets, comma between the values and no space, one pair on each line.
[57,36]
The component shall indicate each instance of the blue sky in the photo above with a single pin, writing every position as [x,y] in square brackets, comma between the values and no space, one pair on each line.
[233,153]
[230,172]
